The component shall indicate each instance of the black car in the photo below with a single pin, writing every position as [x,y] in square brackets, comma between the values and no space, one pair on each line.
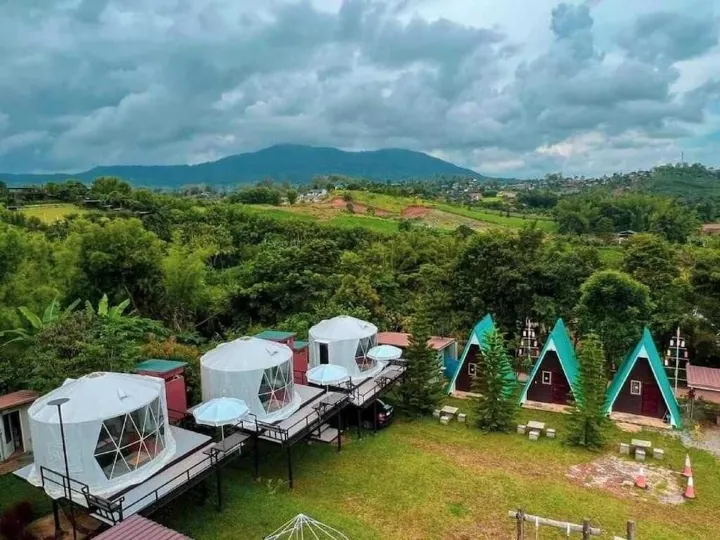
[385,415]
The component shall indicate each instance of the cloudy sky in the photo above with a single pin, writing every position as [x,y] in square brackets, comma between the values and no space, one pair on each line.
[507,87]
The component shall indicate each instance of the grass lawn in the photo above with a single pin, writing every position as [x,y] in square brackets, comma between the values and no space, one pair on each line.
[421,480]
[514,221]
[49,213]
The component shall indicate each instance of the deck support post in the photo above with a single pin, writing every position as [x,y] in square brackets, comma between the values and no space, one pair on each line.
[256,456]
[375,416]
[56,518]
[218,482]
[290,466]
[359,421]
[340,426]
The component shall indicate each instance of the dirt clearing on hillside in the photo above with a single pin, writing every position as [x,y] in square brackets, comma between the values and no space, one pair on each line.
[617,476]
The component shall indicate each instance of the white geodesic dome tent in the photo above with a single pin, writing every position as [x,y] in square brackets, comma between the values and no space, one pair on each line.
[303,527]
[345,341]
[258,371]
[116,432]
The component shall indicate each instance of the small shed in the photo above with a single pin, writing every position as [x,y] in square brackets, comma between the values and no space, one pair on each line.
[172,372]
[641,386]
[15,438]
[553,376]
[466,367]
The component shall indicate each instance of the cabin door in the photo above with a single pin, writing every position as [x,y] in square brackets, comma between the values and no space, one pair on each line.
[7,443]
[324,353]
[560,388]
[650,400]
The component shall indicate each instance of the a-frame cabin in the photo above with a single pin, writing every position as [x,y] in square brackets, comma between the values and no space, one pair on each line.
[467,365]
[553,376]
[641,386]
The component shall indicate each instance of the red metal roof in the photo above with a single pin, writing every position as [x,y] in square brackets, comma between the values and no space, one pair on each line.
[402,340]
[703,377]
[141,528]
[16,399]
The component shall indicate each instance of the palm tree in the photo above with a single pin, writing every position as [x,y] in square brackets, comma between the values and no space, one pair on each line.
[52,314]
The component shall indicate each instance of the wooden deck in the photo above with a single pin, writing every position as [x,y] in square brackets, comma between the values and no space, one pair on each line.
[369,389]
[635,419]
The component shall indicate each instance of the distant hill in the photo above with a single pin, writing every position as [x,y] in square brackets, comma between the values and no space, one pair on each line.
[292,163]
[686,181]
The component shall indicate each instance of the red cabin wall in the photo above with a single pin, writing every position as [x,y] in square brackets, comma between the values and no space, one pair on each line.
[463,383]
[175,391]
[300,365]
[629,403]
[557,392]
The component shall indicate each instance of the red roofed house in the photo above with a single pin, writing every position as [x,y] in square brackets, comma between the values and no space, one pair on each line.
[705,381]
[14,423]
[445,347]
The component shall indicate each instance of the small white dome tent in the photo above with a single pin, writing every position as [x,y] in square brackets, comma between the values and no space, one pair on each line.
[257,371]
[116,432]
[345,341]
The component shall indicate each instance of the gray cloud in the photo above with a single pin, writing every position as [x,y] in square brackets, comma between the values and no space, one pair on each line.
[173,81]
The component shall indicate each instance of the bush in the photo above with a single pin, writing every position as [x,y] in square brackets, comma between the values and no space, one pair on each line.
[14,520]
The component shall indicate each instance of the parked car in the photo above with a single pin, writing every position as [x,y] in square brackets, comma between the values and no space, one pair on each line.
[385,415]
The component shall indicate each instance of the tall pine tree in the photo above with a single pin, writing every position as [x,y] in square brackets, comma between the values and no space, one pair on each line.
[586,426]
[423,388]
[496,384]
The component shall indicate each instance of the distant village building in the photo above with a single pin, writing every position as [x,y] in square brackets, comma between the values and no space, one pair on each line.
[314,195]
[623,236]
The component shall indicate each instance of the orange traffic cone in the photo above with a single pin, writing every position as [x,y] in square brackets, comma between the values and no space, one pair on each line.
[640,479]
[690,489]
[687,471]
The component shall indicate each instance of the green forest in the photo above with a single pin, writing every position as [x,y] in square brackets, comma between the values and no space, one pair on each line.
[172,274]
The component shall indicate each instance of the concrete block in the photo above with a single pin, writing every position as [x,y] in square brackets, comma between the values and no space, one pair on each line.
[521,429]
[444,420]
[550,432]
[534,435]
[436,413]
[639,454]
[462,417]
[625,449]
[658,453]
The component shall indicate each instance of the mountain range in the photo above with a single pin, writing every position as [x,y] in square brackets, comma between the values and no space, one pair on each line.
[292,163]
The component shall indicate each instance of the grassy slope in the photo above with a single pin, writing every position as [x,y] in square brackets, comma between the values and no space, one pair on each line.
[49,213]
[423,480]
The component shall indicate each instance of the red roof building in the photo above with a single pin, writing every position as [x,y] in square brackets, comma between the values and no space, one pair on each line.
[138,527]
[705,381]
[402,340]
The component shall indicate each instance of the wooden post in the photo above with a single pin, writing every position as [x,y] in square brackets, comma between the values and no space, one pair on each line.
[520,516]
[630,530]
[586,529]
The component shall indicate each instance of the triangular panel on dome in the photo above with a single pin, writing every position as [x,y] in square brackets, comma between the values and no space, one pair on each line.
[552,378]
[641,386]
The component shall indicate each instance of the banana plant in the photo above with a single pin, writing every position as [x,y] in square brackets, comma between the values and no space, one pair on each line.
[53,313]
[105,310]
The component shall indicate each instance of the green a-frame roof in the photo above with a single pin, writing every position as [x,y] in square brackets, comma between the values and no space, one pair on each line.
[477,337]
[645,348]
[558,341]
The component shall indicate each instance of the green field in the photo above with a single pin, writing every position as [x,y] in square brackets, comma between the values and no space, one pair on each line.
[422,480]
[50,213]
[515,221]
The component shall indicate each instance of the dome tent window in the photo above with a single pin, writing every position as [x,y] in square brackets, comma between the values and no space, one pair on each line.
[276,389]
[364,345]
[129,441]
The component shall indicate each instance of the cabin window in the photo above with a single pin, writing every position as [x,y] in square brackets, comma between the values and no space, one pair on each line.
[635,388]
[472,369]
[547,377]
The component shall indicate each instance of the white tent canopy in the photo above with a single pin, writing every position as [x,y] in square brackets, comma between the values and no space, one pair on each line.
[257,371]
[345,341]
[303,527]
[116,431]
